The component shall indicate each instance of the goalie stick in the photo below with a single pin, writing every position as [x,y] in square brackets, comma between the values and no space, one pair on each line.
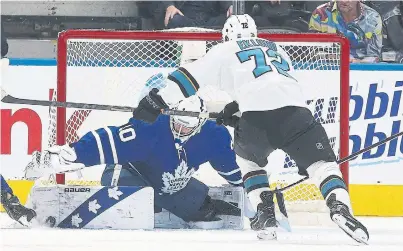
[7,98]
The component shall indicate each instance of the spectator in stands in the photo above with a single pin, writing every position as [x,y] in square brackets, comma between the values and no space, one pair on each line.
[207,14]
[263,12]
[393,34]
[4,44]
[359,23]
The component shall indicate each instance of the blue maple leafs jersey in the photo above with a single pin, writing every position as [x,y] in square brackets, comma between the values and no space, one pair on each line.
[151,147]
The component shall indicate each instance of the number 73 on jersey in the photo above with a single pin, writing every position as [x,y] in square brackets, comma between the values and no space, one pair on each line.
[261,65]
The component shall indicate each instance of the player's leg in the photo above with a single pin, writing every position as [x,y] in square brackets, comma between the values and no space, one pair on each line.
[252,148]
[309,146]
[13,207]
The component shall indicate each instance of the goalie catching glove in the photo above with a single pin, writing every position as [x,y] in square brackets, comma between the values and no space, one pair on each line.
[227,117]
[56,159]
[150,107]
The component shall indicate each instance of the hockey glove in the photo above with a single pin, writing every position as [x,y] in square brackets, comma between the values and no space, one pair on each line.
[15,210]
[150,107]
[55,159]
[226,116]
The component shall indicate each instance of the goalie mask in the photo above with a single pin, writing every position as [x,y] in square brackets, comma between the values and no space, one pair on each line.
[239,26]
[184,127]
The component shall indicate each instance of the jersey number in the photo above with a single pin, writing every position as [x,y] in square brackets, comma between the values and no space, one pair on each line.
[262,67]
[127,133]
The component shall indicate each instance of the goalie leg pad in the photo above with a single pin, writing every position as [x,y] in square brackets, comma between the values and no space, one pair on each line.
[189,207]
[95,207]
[223,208]
[185,203]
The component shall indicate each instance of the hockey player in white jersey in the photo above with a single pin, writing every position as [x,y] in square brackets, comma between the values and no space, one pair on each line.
[259,76]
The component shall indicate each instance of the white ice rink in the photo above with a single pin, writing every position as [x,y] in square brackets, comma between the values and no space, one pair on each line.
[385,234]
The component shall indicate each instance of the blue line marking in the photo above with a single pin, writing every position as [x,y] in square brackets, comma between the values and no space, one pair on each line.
[376,162]
[173,64]
[376,67]
[32,61]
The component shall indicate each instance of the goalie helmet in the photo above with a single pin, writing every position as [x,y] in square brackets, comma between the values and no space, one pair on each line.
[184,127]
[239,26]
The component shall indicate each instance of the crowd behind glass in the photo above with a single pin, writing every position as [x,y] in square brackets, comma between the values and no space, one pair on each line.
[374,28]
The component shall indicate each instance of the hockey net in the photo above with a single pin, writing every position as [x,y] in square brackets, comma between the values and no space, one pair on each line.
[112,67]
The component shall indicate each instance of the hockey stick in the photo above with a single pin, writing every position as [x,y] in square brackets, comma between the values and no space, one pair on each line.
[7,98]
[351,156]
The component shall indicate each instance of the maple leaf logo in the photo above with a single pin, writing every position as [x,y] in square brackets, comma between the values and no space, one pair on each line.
[76,220]
[93,206]
[114,193]
[174,183]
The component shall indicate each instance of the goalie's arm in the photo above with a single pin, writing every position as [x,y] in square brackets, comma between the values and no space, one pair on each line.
[111,145]
[108,145]
[223,157]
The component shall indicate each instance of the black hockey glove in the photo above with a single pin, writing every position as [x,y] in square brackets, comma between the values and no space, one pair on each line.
[150,107]
[15,210]
[226,116]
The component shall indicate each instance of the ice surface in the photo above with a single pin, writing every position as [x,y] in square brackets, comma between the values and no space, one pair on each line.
[385,234]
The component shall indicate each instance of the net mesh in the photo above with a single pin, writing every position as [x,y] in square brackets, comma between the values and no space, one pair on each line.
[115,72]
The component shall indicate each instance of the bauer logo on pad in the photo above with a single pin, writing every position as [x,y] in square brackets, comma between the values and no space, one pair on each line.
[77,190]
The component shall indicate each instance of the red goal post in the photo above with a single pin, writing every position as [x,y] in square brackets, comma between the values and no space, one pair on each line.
[339,58]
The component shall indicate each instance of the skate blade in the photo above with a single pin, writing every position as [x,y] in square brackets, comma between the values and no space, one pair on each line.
[267,234]
[358,235]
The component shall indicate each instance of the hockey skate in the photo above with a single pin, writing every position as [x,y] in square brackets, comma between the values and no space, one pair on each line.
[265,219]
[207,217]
[16,211]
[340,214]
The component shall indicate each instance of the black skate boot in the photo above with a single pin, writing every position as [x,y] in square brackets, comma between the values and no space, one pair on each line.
[206,217]
[340,214]
[15,210]
[265,218]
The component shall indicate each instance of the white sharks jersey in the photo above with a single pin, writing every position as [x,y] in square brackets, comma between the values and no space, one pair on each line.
[255,72]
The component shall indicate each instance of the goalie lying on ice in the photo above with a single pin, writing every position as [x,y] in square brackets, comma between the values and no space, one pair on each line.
[163,155]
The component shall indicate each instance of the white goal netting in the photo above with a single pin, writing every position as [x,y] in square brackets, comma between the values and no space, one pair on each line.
[107,67]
